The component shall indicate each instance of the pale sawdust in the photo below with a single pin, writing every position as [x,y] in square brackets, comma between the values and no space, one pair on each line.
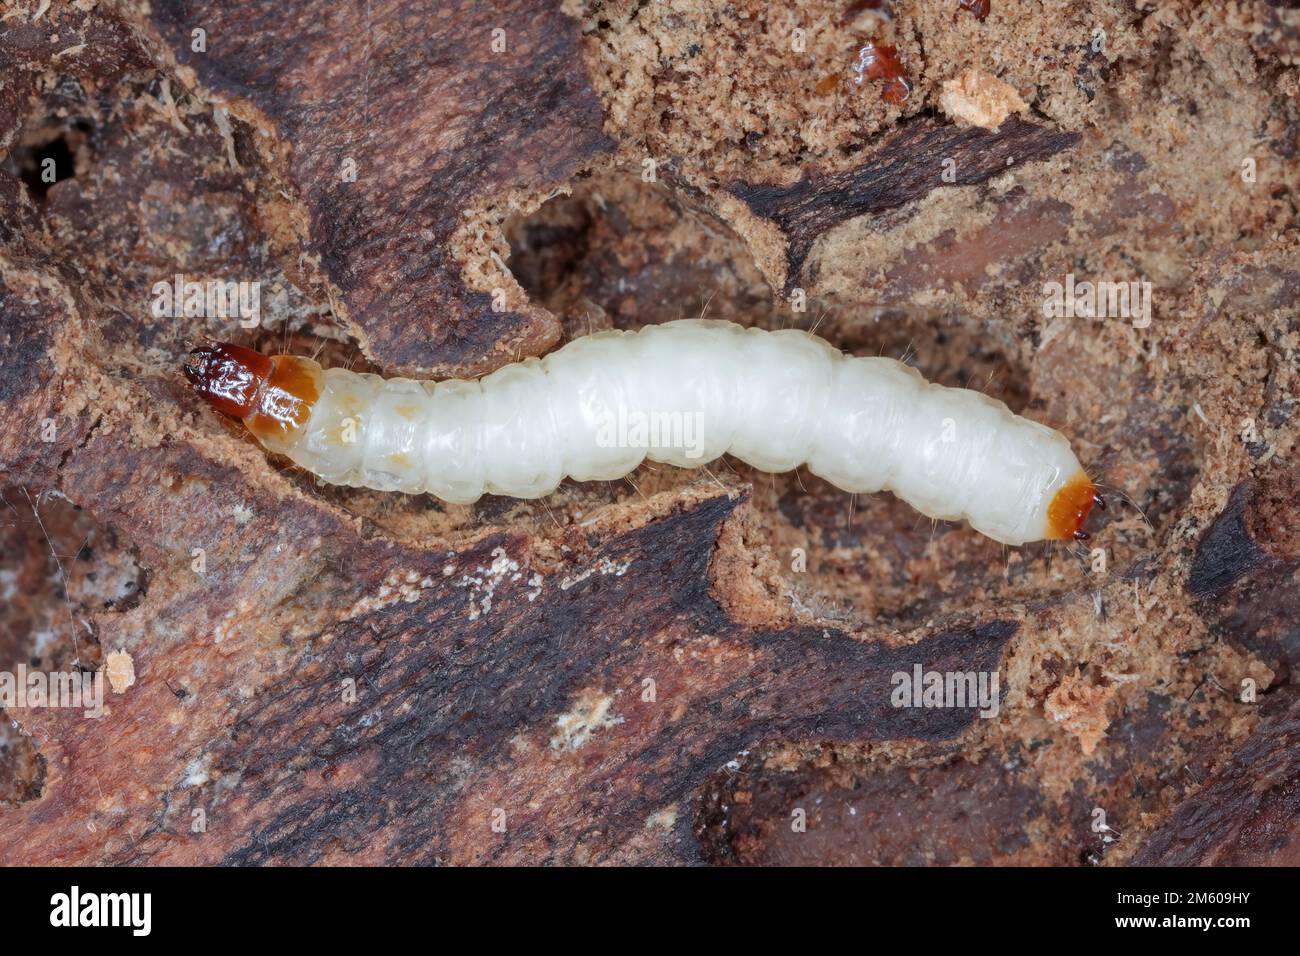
[975,98]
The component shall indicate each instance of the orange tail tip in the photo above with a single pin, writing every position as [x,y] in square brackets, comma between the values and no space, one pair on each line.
[1070,507]
[269,393]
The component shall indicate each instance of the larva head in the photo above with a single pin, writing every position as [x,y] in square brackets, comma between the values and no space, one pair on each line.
[228,377]
[1069,508]
[273,395]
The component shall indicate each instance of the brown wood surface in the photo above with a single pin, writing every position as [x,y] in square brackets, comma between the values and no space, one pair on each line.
[500,654]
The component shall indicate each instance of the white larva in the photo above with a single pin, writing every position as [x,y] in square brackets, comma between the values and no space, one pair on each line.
[683,393]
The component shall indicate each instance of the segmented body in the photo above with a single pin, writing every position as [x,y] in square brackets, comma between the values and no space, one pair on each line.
[683,393]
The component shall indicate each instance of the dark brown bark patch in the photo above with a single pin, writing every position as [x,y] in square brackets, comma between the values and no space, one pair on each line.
[905,166]
[1246,573]
[1226,551]
[952,813]
[486,695]
[1248,813]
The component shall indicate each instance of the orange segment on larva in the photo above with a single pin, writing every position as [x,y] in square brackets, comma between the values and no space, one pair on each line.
[683,393]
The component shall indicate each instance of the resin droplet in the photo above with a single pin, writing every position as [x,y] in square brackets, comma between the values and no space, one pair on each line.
[880,62]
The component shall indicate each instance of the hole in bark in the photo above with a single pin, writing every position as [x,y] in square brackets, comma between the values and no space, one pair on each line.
[547,248]
[48,155]
[618,252]
[45,165]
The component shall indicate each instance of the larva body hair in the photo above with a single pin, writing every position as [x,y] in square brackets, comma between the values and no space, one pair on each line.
[683,393]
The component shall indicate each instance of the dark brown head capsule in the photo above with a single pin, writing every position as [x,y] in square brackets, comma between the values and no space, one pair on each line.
[270,394]
[228,377]
[980,8]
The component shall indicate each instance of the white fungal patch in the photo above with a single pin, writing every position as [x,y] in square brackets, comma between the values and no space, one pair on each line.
[776,400]
[592,711]
[196,771]
[604,566]
[397,587]
[225,628]
[483,582]
[664,820]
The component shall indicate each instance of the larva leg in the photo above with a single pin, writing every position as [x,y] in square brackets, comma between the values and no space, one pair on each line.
[683,393]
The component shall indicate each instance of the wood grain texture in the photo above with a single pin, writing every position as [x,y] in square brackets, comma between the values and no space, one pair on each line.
[1248,813]
[904,166]
[435,123]
[1246,574]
